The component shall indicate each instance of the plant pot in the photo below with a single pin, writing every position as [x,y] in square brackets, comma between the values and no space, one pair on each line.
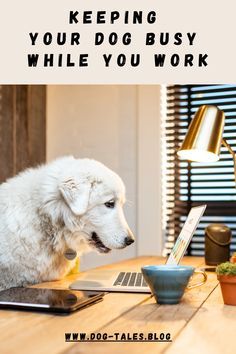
[228,288]
[233,259]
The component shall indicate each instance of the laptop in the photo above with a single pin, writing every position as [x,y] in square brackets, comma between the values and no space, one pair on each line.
[133,281]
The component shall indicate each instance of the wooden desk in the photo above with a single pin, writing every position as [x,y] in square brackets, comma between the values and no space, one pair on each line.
[201,323]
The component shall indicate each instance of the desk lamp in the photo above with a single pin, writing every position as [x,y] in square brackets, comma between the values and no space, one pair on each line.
[202,144]
[204,137]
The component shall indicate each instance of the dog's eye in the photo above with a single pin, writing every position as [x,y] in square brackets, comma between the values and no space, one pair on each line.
[110,204]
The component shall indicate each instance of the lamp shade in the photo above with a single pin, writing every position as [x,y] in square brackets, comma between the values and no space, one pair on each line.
[204,137]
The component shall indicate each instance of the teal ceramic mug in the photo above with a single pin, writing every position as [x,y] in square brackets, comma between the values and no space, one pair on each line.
[168,283]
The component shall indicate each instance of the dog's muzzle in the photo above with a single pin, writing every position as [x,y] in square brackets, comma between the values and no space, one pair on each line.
[97,243]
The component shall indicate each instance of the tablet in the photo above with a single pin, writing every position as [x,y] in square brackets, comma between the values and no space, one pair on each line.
[50,300]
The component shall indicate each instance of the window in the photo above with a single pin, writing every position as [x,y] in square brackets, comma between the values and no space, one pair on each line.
[189,184]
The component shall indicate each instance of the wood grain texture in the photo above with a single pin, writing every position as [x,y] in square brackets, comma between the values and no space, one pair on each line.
[148,317]
[38,333]
[22,128]
[212,330]
[37,123]
[6,132]
[44,333]
[21,122]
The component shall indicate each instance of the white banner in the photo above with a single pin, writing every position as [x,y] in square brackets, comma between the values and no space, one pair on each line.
[106,42]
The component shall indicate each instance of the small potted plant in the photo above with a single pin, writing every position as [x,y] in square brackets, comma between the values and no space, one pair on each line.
[226,274]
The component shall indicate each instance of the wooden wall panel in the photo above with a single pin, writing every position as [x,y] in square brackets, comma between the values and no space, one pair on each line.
[22,128]
[6,132]
[21,141]
[37,124]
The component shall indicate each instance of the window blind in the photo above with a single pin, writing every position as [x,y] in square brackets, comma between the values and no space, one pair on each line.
[187,184]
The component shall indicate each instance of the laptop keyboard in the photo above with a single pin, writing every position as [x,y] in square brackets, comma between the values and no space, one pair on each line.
[130,279]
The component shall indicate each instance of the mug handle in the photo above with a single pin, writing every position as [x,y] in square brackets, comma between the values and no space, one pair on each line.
[198,284]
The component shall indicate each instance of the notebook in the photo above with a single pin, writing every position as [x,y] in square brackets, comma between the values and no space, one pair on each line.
[133,281]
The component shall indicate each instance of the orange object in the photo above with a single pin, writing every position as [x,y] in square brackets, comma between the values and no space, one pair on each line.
[228,288]
[76,267]
[233,259]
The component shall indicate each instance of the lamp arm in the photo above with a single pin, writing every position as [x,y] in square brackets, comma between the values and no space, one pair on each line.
[224,142]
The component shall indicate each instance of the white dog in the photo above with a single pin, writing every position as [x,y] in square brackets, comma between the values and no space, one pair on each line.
[69,203]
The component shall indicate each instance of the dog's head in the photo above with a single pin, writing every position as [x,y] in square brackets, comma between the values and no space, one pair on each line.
[93,197]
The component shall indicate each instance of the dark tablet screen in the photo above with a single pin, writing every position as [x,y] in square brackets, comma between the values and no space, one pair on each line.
[35,298]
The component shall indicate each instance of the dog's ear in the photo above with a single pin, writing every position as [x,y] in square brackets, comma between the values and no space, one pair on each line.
[76,195]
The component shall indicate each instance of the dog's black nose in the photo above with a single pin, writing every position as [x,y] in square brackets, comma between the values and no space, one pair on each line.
[128,241]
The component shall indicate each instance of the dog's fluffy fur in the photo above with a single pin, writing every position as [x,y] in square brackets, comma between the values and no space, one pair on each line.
[66,204]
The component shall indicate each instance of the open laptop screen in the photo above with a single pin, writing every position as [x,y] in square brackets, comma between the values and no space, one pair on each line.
[186,235]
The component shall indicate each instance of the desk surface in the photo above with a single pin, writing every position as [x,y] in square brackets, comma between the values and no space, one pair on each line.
[201,323]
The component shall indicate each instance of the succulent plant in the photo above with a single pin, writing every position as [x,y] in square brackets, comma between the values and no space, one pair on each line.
[226,268]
